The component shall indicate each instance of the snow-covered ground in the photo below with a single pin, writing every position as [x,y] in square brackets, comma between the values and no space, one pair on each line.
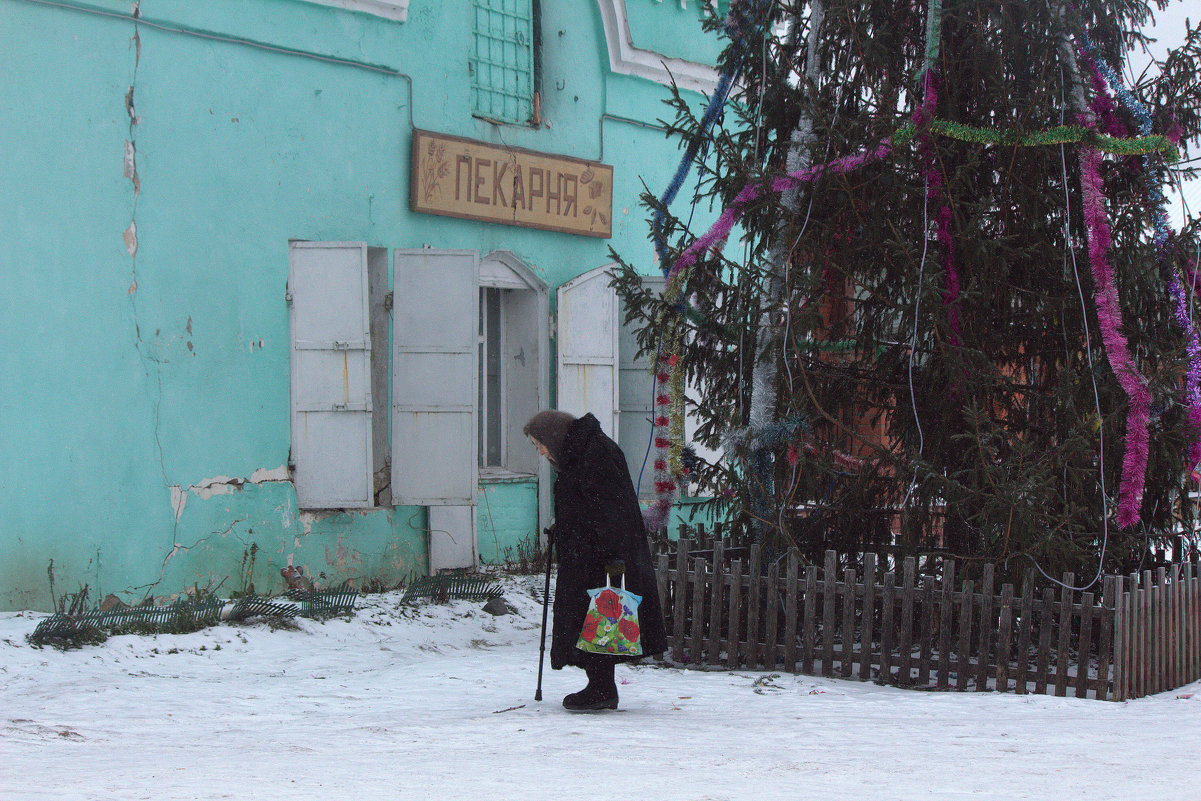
[436,702]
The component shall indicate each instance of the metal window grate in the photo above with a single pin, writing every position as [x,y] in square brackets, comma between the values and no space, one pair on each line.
[502,84]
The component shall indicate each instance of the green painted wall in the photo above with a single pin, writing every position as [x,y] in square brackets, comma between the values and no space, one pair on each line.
[145,414]
[668,27]
[506,525]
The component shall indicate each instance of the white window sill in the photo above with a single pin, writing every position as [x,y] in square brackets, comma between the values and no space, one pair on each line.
[495,475]
[397,10]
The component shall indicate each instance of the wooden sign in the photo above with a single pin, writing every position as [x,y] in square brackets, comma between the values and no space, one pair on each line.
[476,181]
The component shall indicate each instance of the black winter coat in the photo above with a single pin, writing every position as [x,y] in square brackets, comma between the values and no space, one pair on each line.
[598,521]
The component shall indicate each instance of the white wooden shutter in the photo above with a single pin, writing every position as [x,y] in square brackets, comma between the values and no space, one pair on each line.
[525,321]
[587,337]
[636,396]
[331,374]
[435,331]
[452,538]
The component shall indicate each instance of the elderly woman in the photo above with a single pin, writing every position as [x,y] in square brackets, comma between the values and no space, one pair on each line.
[597,524]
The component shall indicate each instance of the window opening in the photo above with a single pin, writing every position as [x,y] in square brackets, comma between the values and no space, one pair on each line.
[491,381]
[505,64]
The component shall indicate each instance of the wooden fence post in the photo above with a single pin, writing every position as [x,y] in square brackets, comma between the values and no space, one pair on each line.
[1135,636]
[1025,626]
[965,636]
[869,616]
[1120,643]
[808,632]
[1177,674]
[829,593]
[1173,632]
[1186,613]
[1138,623]
[1160,629]
[1085,646]
[847,652]
[1147,624]
[1105,647]
[888,603]
[790,612]
[905,643]
[946,621]
[1045,624]
[1186,641]
[679,601]
[1065,633]
[1193,622]
[1195,617]
[698,613]
[927,639]
[715,603]
[987,623]
[1129,633]
[735,618]
[1004,635]
[754,608]
[661,582]
[771,611]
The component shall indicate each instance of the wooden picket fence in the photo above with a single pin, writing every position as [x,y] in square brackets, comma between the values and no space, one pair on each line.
[1141,634]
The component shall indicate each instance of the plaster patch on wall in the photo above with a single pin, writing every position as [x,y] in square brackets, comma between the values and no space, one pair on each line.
[307,519]
[342,556]
[131,239]
[223,485]
[179,499]
[131,167]
[218,485]
[263,474]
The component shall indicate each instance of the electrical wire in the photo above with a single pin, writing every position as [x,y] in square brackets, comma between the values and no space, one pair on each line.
[933,39]
[1088,349]
[917,304]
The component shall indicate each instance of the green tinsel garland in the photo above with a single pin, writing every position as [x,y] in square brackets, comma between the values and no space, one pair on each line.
[1062,134]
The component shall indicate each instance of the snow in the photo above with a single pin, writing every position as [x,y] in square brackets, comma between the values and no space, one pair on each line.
[436,702]
[1167,28]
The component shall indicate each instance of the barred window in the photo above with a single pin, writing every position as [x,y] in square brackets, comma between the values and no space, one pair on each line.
[504,69]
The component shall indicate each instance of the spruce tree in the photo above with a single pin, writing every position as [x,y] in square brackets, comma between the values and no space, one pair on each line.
[920,321]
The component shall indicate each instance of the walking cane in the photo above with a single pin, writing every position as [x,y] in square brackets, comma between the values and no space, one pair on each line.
[550,546]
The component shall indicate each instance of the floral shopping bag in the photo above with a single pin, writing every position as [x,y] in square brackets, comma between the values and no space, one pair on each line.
[611,624]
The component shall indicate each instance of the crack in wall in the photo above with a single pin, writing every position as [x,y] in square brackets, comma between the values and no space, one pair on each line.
[178,547]
[151,362]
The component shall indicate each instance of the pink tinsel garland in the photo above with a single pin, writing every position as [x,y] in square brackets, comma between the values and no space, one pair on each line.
[934,184]
[716,235]
[1106,112]
[715,239]
[1117,350]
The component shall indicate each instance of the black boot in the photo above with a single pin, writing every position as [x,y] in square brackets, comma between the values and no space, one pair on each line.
[601,692]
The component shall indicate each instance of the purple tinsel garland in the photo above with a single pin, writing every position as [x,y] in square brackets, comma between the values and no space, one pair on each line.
[1104,79]
[715,238]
